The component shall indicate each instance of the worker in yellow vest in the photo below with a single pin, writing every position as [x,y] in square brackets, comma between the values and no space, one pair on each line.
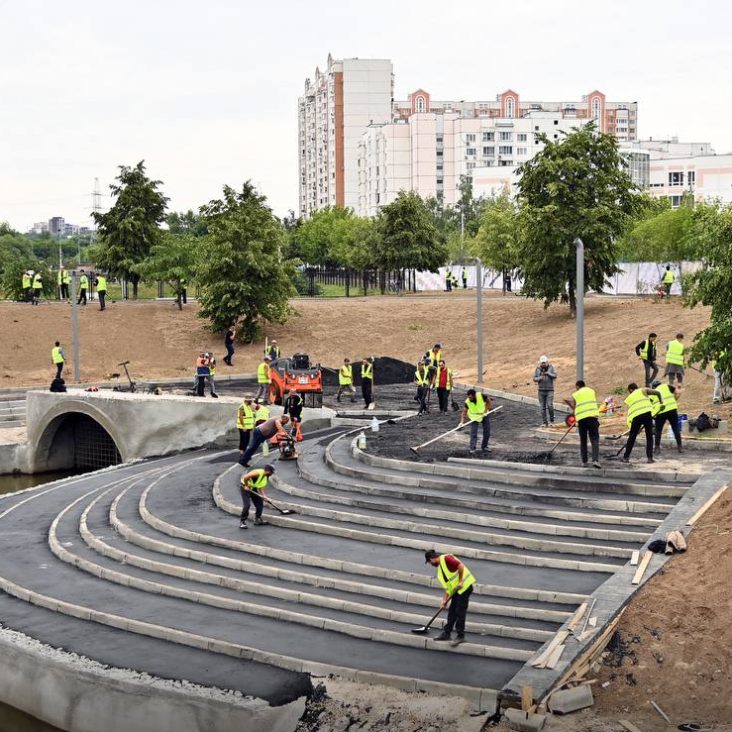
[640,416]
[646,352]
[83,287]
[64,280]
[345,380]
[37,287]
[245,422]
[253,484]
[668,280]
[102,291]
[422,379]
[675,359]
[457,582]
[58,358]
[367,382]
[587,417]
[263,378]
[443,383]
[476,410]
[272,350]
[668,411]
[26,281]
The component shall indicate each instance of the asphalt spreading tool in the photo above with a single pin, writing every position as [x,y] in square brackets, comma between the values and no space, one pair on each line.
[425,628]
[417,448]
[283,511]
[560,440]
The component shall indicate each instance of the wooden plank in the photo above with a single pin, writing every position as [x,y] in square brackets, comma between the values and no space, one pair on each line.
[556,655]
[638,576]
[527,698]
[577,617]
[707,505]
[628,725]
[540,661]
[634,557]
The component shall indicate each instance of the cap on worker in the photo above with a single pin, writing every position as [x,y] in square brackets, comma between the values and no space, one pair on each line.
[268,358]
[429,555]
[543,359]
[269,468]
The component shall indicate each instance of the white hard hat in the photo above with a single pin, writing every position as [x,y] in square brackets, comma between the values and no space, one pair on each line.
[544,359]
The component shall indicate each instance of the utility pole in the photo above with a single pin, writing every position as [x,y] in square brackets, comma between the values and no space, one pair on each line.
[75,328]
[580,299]
[479,316]
[462,235]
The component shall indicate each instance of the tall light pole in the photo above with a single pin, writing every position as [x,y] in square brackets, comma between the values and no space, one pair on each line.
[76,346]
[580,300]
[479,316]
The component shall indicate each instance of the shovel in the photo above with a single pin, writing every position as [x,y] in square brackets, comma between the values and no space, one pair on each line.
[283,511]
[425,628]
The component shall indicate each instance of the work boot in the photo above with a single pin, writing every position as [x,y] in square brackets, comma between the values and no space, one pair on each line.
[624,459]
[650,460]
[215,396]
[460,638]
[596,464]
[259,521]
[243,524]
[444,636]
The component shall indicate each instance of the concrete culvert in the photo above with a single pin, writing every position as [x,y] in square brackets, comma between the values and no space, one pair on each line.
[76,441]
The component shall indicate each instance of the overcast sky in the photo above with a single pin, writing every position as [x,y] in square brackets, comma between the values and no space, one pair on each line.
[206,92]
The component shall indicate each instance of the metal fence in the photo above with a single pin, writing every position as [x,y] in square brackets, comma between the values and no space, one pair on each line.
[358,282]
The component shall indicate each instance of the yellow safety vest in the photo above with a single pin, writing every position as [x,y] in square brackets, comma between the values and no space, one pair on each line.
[669,400]
[675,353]
[256,484]
[449,580]
[245,418]
[448,385]
[262,414]
[585,403]
[345,375]
[83,282]
[638,403]
[26,281]
[669,277]
[644,349]
[367,371]
[56,355]
[263,376]
[101,283]
[38,282]
[273,351]
[435,357]
[60,277]
[476,409]
[422,377]
[67,278]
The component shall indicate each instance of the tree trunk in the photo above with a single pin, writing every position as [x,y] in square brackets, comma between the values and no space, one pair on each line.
[134,290]
[572,303]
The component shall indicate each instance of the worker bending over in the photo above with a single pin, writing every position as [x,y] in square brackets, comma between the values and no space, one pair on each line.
[668,411]
[457,582]
[640,416]
[253,484]
[587,415]
[263,432]
[476,409]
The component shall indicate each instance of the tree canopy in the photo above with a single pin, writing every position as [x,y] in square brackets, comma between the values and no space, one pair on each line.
[496,242]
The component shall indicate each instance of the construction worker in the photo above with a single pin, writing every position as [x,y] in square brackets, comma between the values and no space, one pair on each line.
[640,416]
[101,283]
[646,352]
[448,281]
[675,359]
[263,377]
[367,382]
[720,385]
[183,290]
[587,416]
[245,422]
[253,484]
[229,345]
[464,277]
[263,432]
[544,377]
[477,405]
[457,582]
[273,350]
[345,380]
[83,287]
[443,384]
[433,356]
[668,411]
[293,409]
[26,281]
[64,280]
[668,280]
[202,373]
[58,358]
[261,412]
[37,287]
[422,380]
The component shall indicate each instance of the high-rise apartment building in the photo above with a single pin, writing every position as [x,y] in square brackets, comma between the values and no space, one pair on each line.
[56,226]
[338,104]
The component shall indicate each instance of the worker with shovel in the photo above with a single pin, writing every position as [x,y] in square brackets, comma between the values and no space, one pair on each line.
[457,581]
[253,484]
[476,407]
[640,417]
[587,418]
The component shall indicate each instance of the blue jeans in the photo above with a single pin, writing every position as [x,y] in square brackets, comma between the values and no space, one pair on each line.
[229,353]
[474,426]
[254,443]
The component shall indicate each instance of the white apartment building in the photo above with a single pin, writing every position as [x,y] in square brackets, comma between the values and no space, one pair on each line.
[672,148]
[705,177]
[338,104]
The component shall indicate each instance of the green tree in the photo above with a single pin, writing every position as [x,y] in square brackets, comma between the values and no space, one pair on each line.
[16,256]
[185,223]
[131,227]
[712,286]
[173,260]
[323,238]
[574,187]
[407,236]
[240,270]
[497,240]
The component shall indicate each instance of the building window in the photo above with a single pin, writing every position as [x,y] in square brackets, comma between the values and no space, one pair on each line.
[522,151]
[440,153]
[421,105]
[522,137]
[489,151]
[595,109]
[505,150]
[691,178]
[676,179]
[488,137]
[505,136]
[470,138]
[675,201]
[470,166]
[510,107]
[469,151]
[506,163]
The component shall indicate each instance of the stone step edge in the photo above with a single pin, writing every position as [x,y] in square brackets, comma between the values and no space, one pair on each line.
[305,598]
[385,539]
[550,529]
[498,472]
[164,527]
[506,492]
[134,537]
[387,491]
[289,616]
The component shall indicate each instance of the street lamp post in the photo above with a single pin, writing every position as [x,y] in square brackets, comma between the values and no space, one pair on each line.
[75,329]
[479,316]
[580,299]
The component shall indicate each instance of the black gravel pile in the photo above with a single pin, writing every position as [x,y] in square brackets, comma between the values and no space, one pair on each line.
[387,370]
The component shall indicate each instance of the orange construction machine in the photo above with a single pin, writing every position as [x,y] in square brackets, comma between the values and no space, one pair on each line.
[298,374]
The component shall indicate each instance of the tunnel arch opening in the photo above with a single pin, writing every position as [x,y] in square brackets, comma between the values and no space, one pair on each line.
[78,442]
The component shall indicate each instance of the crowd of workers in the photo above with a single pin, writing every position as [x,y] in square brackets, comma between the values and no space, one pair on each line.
[32,286]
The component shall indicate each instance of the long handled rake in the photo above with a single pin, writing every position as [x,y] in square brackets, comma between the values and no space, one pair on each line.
[417,448]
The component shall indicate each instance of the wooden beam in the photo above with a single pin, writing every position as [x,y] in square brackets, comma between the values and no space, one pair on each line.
[527,698]
[638,576]
[577,617]
[634,557]
[556,655]
[541,659]
[705,507]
